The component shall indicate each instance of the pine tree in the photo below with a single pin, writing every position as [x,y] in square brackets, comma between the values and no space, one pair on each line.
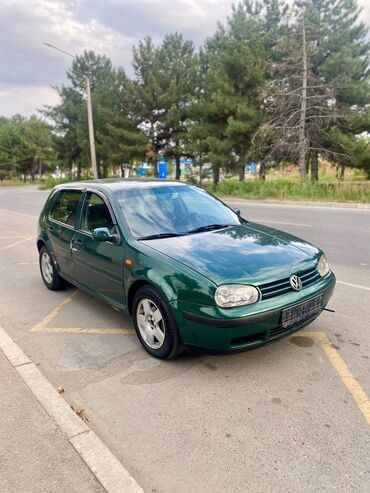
[178,66]
[151,100]
[310,97]
[228,106]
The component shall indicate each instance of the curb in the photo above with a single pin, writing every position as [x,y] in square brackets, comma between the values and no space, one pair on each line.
[111,474]
[297,203]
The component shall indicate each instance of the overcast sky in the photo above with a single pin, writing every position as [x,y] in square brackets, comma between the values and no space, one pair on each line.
[28,68]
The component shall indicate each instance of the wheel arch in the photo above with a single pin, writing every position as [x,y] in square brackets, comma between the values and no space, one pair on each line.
[40,243]
[133,289]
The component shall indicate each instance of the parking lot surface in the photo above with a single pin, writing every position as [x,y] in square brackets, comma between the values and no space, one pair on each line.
[291,416]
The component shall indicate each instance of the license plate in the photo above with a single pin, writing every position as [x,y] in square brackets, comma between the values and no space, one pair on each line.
[297,313]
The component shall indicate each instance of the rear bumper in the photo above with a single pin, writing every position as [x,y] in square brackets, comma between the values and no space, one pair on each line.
[223,334]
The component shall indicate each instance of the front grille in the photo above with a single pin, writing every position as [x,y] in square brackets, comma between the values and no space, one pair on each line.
[276,288]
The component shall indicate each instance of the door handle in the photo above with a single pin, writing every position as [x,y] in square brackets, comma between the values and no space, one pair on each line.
[75,244]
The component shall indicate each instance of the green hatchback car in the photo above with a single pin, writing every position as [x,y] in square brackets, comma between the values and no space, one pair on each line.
[189,269]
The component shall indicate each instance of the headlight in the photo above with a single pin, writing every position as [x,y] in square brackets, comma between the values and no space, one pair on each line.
[323,266]
[235,295]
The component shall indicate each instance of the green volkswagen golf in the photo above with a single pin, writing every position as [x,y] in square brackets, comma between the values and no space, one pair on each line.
[189,269]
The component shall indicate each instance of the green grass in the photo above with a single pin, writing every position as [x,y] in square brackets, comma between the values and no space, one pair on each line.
[13,182]
[282,189]
[50,182]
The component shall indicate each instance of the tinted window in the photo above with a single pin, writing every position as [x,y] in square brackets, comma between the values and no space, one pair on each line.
[65,207]
[96,214]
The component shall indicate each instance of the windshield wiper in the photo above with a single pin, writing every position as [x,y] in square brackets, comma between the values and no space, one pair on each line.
[208,227]
[160,235]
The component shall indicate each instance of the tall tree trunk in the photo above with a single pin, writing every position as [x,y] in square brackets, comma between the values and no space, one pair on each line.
[78,171]
[200,173]
[262,171]
[314,166]
[178,170]
[216,175]
[342,170]
[241,172]
[302,143]
[40,168]
[155,166]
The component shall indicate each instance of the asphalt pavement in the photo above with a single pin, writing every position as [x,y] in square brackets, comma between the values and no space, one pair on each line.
[293,416]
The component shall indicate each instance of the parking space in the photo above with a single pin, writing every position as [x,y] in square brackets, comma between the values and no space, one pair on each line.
[291,416]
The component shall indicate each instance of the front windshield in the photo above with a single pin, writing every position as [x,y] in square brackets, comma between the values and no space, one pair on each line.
[173,209]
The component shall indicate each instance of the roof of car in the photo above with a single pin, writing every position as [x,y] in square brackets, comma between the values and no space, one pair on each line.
[114,184]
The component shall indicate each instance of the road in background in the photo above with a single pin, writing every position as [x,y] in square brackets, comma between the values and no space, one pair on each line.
[279,418]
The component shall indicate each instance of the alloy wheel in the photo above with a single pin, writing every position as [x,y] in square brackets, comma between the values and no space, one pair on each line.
[46,268]
[150,323]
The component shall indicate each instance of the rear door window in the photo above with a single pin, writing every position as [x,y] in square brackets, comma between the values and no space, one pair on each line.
[65,207]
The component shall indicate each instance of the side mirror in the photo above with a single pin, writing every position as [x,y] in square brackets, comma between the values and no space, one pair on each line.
[101,234]
[237,211]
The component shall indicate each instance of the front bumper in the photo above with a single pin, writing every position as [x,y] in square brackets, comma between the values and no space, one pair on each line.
[226,330]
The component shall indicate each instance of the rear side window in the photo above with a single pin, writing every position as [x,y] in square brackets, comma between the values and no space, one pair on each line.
[65,207]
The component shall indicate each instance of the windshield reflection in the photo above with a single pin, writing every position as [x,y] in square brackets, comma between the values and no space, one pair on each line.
[171,210]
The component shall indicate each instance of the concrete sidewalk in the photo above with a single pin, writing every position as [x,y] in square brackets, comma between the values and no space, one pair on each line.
[34,455]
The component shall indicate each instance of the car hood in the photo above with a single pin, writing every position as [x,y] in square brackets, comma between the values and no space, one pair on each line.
[242,253]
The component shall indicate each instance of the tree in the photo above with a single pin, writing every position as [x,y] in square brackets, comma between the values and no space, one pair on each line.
[151,100]
[342,58]
[124,138]
[227,108]
[70,116]
[178,65]
[307,100]
[26,146]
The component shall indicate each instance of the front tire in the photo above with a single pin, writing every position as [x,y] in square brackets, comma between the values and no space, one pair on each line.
[49,273]
[155,324]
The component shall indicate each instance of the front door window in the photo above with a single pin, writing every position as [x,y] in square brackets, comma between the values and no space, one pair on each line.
[96,214]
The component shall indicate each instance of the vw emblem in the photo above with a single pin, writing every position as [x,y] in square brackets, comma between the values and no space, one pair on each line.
[295,282]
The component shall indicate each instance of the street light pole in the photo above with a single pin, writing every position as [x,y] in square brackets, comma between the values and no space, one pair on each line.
[89,113]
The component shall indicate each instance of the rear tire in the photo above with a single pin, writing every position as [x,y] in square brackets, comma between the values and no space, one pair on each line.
[49,273]
[155,324]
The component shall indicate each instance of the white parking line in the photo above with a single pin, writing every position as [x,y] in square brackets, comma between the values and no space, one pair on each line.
[358,286]
[16,243]
[18,213]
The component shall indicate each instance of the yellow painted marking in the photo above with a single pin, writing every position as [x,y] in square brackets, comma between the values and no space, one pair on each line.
[16,243]
[358,286]
[45,321]
[80,330]
[17,213]
[355,389]
[43,325]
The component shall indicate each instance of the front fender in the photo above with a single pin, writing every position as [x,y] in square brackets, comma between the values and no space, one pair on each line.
[173,279]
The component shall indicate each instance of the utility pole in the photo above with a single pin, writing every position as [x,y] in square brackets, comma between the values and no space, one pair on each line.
[91,128]
[89,113]
[302,143]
